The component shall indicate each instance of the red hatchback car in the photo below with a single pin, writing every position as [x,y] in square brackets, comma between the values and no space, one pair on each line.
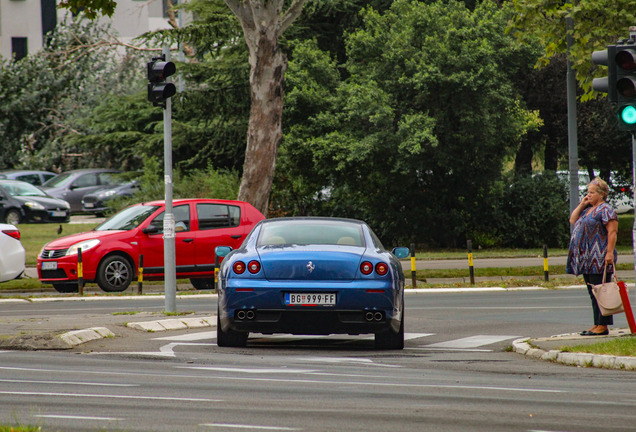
[110,252]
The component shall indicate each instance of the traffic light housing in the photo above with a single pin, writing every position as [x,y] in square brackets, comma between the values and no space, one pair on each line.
[625,63]
[606,84]
[158,89]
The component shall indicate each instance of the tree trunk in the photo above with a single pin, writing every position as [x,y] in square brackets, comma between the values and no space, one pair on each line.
[263,22]
[264,131]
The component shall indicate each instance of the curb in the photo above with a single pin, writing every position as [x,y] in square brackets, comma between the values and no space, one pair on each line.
[524,347]
[78,337]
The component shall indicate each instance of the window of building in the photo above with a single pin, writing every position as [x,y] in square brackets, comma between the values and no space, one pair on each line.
[49,18]
[19,47]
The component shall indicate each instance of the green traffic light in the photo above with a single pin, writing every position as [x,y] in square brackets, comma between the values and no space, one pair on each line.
[628,115]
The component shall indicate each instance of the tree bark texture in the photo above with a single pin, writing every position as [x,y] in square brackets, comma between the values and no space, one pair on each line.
[263,22]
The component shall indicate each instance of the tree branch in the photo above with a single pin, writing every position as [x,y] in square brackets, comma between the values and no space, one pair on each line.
[290,16]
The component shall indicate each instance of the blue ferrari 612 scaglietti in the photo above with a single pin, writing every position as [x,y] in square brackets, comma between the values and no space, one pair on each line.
[311,276]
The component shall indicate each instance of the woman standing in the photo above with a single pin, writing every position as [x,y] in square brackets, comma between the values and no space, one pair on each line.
[592,246]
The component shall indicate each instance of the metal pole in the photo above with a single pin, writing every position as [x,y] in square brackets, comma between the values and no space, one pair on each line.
[546,273]
[80,273]
[140,275]
[413,269]
[573,153]
[169,254]
[471,269]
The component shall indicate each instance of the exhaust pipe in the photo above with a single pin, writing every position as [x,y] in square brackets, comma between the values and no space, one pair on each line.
[378,316]
[249,314]
[369,316]
[240,315]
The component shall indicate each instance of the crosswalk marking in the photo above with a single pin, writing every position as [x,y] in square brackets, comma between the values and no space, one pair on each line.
[471,341]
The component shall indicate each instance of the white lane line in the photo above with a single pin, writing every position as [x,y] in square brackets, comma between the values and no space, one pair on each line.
[68,383]
[448,349]
[240,426]
[107,396]
[71,417]
[251,370]
[471,342]
[290,381]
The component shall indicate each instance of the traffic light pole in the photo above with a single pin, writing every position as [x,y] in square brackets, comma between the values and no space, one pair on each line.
[169,253]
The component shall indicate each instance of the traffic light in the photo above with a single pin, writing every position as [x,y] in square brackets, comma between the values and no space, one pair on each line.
[158,89]
[606,84]
[625,61]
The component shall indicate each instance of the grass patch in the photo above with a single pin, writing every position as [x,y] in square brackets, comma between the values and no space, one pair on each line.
[498,271]
[20,428]
[35,236]
[622,346]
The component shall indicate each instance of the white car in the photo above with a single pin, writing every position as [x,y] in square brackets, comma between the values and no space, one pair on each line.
[12,255]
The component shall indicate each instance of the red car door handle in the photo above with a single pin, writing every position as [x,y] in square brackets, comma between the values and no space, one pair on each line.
[188,240]
[236,236]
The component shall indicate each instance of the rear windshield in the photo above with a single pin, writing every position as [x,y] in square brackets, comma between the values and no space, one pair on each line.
[127,219]
[311,232]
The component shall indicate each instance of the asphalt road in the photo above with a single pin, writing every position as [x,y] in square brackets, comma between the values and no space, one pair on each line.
[454,375]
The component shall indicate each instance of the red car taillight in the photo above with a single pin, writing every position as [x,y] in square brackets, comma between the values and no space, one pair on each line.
[254,266]
[366,267]
[239,267]
[12,233]
[381,268]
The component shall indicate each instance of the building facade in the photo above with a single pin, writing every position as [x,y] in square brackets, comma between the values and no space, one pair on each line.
[25,23]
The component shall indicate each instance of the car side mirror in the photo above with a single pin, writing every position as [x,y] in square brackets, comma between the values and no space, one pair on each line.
[222,251]
[401,252]
[151,229]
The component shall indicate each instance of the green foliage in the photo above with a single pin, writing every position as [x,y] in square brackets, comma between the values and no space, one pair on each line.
[595,24]
[47,97]
[412,140]
[534,211]
[199,183]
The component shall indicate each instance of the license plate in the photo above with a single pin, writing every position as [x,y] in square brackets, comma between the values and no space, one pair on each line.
[58,213]
[310,299]
[49,265]
[89,205]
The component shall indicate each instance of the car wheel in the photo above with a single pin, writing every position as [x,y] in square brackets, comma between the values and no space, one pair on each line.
[390,340]
[202,284]
[114,274]
[229,338]
[66,287]
[13,217]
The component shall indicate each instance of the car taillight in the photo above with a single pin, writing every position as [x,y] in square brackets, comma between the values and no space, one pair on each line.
[254,266]
[12,233]
[366,267]
[239,267]
[381,268]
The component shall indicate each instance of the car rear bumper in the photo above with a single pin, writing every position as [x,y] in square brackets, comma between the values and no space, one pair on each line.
[312,322]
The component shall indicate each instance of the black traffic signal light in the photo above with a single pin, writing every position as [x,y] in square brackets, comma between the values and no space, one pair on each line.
[606,84]
[625,63]
[158,89]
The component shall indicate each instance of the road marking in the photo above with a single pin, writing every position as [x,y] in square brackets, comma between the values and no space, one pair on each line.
[471,342]
[190,337]
[239,426]
[172,399]
[68,383]
[251,370]
[71,417]
[289,381]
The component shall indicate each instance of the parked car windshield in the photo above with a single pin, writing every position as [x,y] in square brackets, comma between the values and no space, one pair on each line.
[311,232]
[22,189]
[59,181]
[127,219]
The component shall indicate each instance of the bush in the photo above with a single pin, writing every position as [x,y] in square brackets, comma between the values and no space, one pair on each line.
[209,183]
[535,211]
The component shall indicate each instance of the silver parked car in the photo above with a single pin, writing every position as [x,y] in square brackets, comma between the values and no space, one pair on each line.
[71,186]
